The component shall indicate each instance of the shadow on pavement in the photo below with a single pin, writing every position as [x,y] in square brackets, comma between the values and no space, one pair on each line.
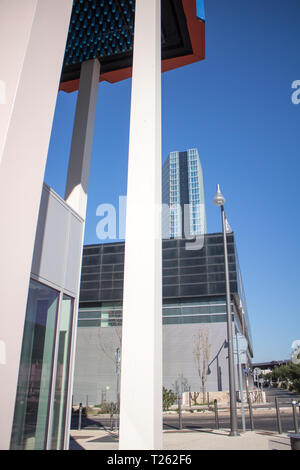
[74,445]
[86,423]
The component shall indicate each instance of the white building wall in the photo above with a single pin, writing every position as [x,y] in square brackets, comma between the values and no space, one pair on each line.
[95,365]
[31,61]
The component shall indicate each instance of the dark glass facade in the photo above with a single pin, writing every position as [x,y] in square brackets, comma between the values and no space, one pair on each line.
[189,275]
[186,273]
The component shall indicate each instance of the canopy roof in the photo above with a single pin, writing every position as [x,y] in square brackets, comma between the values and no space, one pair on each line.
[104,29]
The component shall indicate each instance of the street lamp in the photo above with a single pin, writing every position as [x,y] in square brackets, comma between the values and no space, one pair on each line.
[219,200]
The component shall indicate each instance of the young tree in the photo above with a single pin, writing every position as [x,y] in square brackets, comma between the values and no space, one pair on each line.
[194,397]
[111,345]
[108,343]
[201,354]
[169,398]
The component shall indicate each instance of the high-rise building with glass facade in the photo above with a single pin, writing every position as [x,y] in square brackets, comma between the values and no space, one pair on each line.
[183,195]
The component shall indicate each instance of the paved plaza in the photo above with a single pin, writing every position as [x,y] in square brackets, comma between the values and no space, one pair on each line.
[204,439]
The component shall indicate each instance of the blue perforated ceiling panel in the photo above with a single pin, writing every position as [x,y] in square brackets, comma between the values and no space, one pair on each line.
[104,29]
[99,28]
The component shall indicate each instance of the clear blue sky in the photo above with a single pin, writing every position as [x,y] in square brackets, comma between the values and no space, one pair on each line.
[236,108]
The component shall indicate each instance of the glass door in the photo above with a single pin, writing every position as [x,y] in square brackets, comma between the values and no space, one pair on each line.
[62,373]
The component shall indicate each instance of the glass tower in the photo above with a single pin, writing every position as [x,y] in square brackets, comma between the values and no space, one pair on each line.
[183,195]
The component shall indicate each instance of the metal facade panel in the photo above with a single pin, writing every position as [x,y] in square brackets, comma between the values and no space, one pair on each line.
[59,234]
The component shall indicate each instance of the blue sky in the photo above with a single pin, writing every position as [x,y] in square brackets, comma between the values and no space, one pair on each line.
[236,108]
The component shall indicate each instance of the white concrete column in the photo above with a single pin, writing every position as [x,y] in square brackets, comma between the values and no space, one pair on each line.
[78,180]
[33,35]
[141,359]
[82,140]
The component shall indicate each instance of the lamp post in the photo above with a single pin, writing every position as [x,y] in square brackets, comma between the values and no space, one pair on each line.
[219,200]
[239,354]
[118,369]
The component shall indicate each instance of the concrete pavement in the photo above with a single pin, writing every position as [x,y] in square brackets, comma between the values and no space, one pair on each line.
[204,439]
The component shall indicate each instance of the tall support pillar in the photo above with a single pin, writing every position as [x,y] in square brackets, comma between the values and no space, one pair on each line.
[33,36]
[79,171]
[141,357]
[82,140]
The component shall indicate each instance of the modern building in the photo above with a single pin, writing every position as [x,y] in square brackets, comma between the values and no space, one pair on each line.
[70,45]
[183,197]
[194,303]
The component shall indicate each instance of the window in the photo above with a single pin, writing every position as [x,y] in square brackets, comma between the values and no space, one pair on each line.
[33,392]
[44,341]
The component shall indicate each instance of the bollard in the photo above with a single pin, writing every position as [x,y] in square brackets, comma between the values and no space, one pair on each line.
[79,416]
[250,413]
[279,427]
[216,414]
[112,417]
[295,441]
[117,417]
[296,426]
[180,411]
